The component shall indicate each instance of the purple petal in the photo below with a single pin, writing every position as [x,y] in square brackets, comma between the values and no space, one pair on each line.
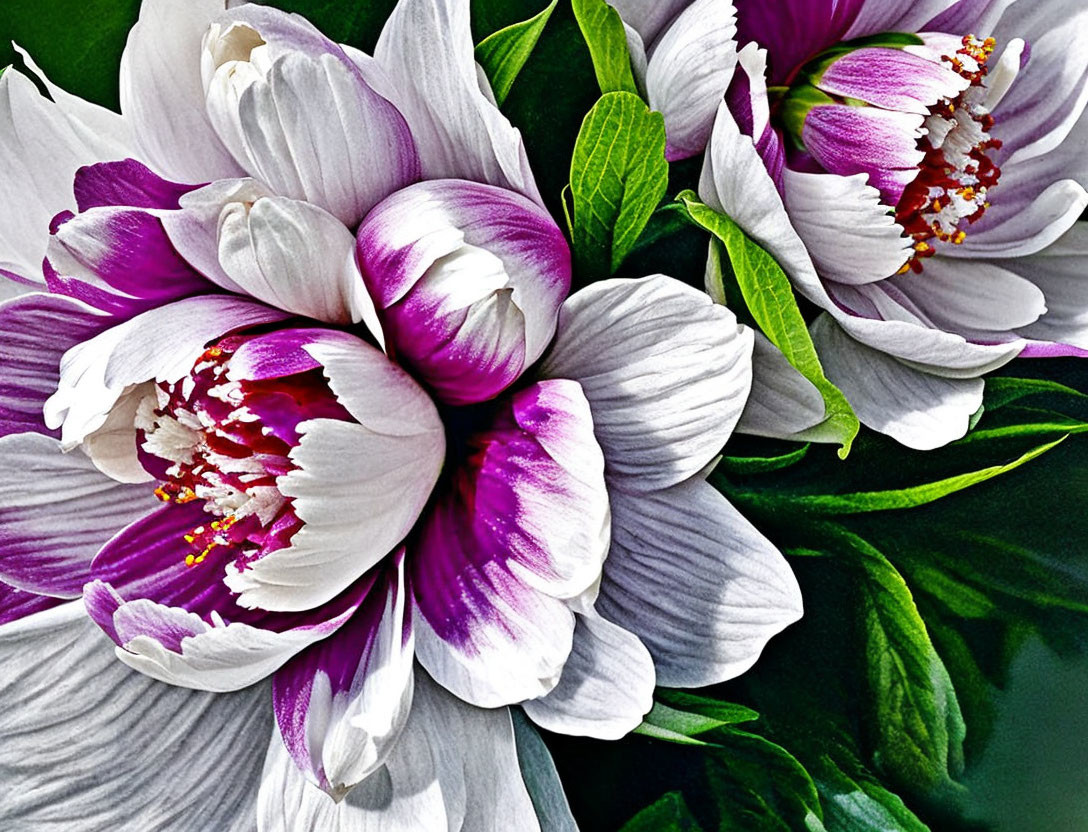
[521,525]
[179,622]
[893,79]
[56,511]
[126,183]
[342,702]
[848,140]
[468,280]
[38,329]
[793,31]
[119,260]
[747,100]
[16,604]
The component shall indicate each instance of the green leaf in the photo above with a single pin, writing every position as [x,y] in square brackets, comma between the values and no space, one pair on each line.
[747,465]
[769,296]
[606,38]
[1003,390]
[1026,422]
[895,499]
[915,723]
[618,176]
[669,814]
[77,43]
[504,53]
[860,804]
[699,715]
[758,786]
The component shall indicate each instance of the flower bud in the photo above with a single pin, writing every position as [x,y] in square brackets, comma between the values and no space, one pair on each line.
[467,280]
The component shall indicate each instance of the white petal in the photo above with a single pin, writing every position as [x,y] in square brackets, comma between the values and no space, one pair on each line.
[666,372]
[426,47]
[358,488]
[689,70]
[541,778]
[849,233]
[783,402]
[103,130]
[696,582]
[294,256]
[920,410]
[607,684]
[895,16]
[162,94]
[648,19]
[453,769]
[161,344]
[1059,271]
[40,151]
[86,743]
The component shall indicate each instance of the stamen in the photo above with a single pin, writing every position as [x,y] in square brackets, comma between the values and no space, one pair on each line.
[956,174]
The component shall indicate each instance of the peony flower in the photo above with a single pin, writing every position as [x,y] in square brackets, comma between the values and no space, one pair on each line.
[917,172]
[299,401]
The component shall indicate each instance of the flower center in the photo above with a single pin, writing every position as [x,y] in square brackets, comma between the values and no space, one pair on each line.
[957,174]
[223,441]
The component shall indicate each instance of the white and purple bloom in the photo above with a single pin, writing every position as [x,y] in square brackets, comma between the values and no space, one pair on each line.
[916,167]
[297,393]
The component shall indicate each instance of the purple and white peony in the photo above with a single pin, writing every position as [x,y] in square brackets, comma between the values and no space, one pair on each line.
[916,167]
[293,391]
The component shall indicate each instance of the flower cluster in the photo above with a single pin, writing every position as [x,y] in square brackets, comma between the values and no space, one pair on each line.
[312,457]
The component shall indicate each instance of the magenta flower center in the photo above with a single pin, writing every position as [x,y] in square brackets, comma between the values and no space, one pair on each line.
[225,442]
[957,174]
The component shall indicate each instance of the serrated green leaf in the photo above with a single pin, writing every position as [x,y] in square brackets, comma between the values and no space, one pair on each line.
[606,38]
[503,53]
[758,786]
[618,176]
[669,814]
[748,465]
[861,804]
[769,296]
[914,721]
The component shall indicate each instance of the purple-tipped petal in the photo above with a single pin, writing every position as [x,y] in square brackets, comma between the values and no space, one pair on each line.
[520,527]
[357,488]
[38,329]
[177,621]
[468,280]
[884,144]
[893,79]
[666,372]
[454,767]
[126,183]
[747,100]
[56,511]
[300,116]
[119,260]
[160,344]
[341,703]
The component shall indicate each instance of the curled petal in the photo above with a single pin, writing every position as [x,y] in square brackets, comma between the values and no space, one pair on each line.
[298,114]
[341,703]
[358,488]
[177,621]
[468,280]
